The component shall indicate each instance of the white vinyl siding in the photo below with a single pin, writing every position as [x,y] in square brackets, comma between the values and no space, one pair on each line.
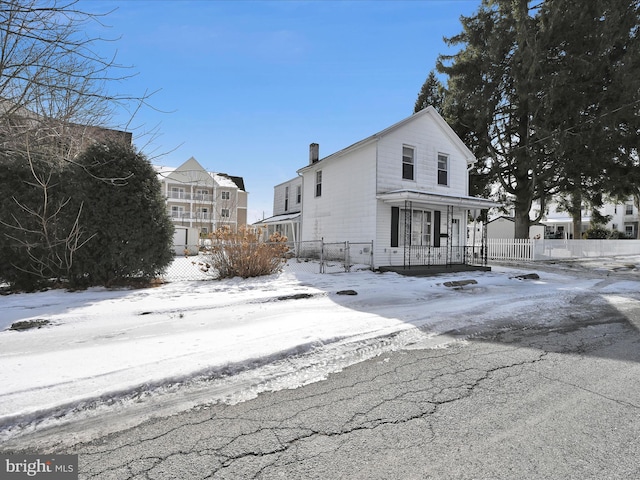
[347,207]
[282,196]
[427,140]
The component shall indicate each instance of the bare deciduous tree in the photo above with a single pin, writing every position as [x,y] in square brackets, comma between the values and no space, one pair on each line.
[55,99]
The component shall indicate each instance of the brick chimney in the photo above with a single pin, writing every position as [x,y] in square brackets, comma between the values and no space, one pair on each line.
[314,153]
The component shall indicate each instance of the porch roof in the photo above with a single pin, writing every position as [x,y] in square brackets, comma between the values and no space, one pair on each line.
[287,217]
[398,197]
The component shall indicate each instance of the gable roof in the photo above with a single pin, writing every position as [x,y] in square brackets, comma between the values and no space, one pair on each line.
[502,217]
[429,111]
[192,172]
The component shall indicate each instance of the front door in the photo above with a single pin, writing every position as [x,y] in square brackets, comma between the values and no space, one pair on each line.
[455,232]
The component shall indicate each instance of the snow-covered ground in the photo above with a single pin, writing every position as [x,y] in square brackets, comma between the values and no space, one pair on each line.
[134,353]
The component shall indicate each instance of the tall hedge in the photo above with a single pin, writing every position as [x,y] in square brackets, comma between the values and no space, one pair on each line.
[124,213]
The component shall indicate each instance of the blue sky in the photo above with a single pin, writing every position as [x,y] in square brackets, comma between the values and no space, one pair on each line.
[245,86]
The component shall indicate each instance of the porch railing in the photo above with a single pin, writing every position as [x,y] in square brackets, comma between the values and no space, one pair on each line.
[419,255]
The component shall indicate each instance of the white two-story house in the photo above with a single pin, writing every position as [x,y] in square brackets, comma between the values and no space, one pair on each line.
[404,188]
[287,210]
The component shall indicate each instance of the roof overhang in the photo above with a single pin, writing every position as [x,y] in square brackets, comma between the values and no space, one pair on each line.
[399,197]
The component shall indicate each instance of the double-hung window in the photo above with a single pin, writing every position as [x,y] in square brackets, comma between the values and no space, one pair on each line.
[286,199]
[443,169]
[225,195]
[417,227]
[319,183]
[298,194]
[408,162]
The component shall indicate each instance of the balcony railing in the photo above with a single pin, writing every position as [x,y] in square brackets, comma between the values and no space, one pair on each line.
[198,197]
[189,216]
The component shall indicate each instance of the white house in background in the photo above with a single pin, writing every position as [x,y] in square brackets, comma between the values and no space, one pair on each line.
[287,210]
[404,188]
[624,218]
[197,198]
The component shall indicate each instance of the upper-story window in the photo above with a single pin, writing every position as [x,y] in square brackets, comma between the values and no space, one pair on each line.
[177,192]
[628,209]
[408,156]
[319,183]
[225,195]
[443,169]
[202,194]
[225,213]
[202,213]
[286,198]
[177,211]
[298,194]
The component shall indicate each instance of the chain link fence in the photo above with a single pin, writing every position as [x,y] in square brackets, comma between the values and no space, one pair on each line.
[308,257]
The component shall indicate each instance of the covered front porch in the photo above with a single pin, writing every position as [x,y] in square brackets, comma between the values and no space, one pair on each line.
[429,233]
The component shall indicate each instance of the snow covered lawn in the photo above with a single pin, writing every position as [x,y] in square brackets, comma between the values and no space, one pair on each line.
[186,343]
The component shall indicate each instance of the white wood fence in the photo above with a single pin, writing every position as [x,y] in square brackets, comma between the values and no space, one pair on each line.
[548,249]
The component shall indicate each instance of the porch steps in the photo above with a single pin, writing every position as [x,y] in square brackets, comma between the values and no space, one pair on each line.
[430,270]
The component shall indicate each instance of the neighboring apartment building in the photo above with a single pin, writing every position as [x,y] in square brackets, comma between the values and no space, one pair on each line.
[201,199]
[404,188]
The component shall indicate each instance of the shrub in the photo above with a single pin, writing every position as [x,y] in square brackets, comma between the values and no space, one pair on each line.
[125,215]
[597,232]
[244,253]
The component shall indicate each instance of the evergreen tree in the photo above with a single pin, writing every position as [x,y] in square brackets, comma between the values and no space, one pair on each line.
[591,60]
[432,93]
[547,97]
[125,215]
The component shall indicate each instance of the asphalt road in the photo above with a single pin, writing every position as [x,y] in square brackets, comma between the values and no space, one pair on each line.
[511,401]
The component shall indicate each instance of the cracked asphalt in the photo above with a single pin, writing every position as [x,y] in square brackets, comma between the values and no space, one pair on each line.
[515,398]
[512,401]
